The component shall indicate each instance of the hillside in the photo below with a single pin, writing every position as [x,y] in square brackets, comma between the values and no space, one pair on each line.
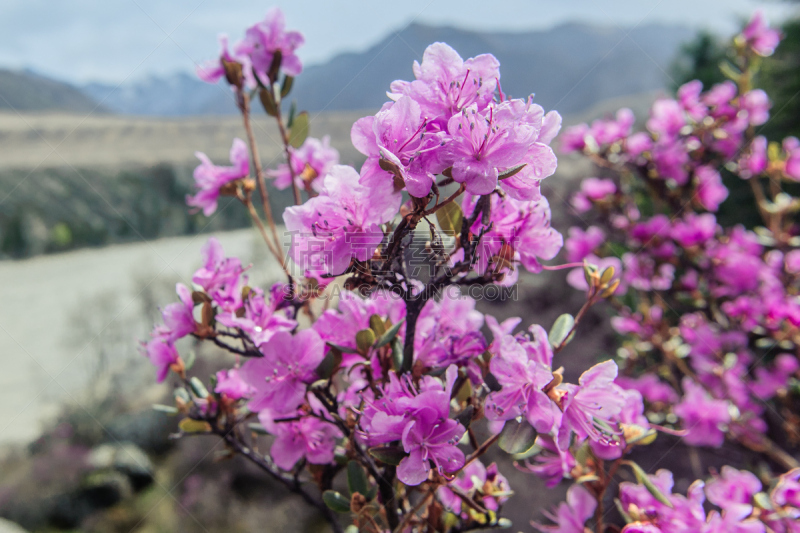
[570,67]
[26,91]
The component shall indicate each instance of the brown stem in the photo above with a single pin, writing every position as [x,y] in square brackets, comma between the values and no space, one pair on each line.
[272,247]
[447,200]
[413,512]
[288,154]
[262,183]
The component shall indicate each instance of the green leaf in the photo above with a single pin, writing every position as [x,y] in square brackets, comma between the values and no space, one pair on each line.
[645,480]
[330,363]
[351,529]
[198,388]
[292,113]
[343,349]
[336,501]
[511,171]
[377,325]
[561,330]
[517,437]
[364,340]
[188,425]
[397,355]
[356,479]
[299,130]
[389,335]
[169,409]
[450,218]
[190,359]
[390,455]
[255,427]
[268,102]
[286,88]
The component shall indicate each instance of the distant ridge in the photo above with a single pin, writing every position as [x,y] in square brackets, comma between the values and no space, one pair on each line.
[28,91]
[571,67]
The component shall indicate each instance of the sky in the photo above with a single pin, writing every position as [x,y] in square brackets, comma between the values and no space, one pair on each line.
[123,40]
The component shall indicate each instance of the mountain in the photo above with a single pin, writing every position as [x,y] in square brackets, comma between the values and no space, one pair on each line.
[23,90]
[569,67]
[179,94]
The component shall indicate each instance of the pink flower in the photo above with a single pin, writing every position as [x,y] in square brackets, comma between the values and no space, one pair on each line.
[689,98]
[230,383]
[178,317]
[310,163]
[551,464]
[787,491]
[339,225]
[756,103]
[666,118]
[220,276]
[570,516]
[592,190]
[162,354]
[703,416]
[520,230]
[760,37]
[732,487]
[596,397]
[212,71]
[581,244]
[770,380]
[445,83]
[496,138]
[710,190]
[268,37]
[398,135]
[280,377]
[209,178]
[309,438]
[650,387]
[694,229]
[476,480]
[520,370]
[448,332]
[261,318]
[792,167]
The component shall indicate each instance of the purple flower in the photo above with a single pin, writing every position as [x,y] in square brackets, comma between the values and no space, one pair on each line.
[734,519]
[178,317]
[580,244]
[261,319]
[448,332]
[520,232]
[310,163]
[446,84]
[220,276]
[596,397]
[281,376]
[756,103]
[230,383]
[520,370]
[754,161]
[694,229]
[483,142]
[570,516]
[268,37]
[163,355]
[340,224]
[340,326]
[760,37]
[650,387]
[399,137]
[689,98]
[769,381]
[592,190]
[209,178]
[703,416]
[710,190]
[666,118]
[476,480]
[551,464]
[732,487]
[309,438]
[212,71]
[792,166]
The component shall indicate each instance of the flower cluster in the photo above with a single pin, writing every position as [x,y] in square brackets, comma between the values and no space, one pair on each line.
[396,384]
